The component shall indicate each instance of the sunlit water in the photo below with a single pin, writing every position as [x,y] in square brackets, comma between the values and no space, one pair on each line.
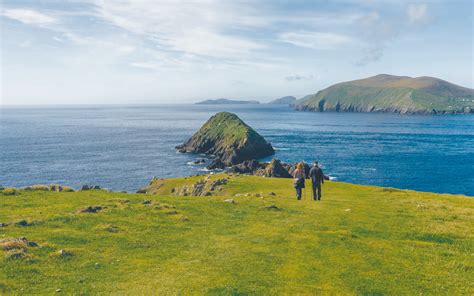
[122,147]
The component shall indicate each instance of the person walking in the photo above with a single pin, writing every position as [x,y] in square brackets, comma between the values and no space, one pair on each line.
[317,178]
[299,177]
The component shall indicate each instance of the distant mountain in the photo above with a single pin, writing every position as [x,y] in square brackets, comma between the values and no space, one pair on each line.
[389,93]
[225,102]
[283,101]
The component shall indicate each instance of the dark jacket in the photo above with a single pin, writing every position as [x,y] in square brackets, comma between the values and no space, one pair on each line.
[316,175]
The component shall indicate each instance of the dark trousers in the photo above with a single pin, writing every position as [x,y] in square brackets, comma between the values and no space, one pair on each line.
[298,192]
[316,191]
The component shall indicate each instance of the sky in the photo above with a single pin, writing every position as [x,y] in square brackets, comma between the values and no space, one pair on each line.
[152,52]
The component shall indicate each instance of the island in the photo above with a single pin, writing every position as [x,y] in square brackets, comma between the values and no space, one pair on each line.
[283,101]
[229,140]
[389,93]
[226,102]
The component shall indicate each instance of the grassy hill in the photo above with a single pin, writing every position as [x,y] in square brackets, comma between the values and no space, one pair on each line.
[358,240]
[388,93]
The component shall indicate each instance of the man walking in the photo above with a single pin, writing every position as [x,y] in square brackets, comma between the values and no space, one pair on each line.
[317,178]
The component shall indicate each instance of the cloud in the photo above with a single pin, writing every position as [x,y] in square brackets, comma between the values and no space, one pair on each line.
[146,65]
[297,77]
[208,28]
[29,17]
[207,43]
[369,19]
[315,40]
[371,55]
[417,12]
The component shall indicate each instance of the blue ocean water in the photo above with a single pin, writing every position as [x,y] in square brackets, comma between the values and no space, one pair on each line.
[123,147]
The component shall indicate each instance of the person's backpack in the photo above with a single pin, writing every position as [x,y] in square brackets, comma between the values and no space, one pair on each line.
[298,182]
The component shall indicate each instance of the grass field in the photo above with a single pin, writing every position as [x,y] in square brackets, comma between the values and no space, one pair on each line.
[358,240]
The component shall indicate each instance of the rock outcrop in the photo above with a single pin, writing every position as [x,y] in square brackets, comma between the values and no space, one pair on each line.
[272,169]
[275,169]
[247,167]
[226,137]
[205,186]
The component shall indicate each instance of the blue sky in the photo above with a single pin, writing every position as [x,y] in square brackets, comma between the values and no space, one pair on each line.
[99,51]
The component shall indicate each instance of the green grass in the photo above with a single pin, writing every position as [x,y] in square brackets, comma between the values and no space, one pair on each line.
[358,240]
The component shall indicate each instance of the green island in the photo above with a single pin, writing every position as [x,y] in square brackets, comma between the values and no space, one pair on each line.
[249,236]
[392,94]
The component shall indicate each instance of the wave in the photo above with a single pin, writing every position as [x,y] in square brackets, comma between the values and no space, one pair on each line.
[281,149]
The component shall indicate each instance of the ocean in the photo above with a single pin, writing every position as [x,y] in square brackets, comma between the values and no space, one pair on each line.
[121,147]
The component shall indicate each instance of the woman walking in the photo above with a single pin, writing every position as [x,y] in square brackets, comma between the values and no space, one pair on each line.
[299,177]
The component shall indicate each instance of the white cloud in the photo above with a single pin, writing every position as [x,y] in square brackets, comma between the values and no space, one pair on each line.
[315,40]
[196,28]
[208,43]
[417,12]
[26,43]
[371,55]
[298,77]
[369,19]
[28,16]
[146,65]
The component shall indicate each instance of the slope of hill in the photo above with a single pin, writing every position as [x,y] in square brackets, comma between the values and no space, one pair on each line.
[388,93]
[358,240]
[226,102]
[283,101]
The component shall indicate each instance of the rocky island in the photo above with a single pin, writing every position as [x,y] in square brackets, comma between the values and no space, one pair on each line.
[229,140]
[222,101]
[394,94]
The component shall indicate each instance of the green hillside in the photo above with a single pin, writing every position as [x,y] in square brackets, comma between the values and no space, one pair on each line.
[388,93]
[358,240]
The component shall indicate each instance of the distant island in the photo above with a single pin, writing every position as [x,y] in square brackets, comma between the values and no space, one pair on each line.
[283,101]
[389,93]
[225,102]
